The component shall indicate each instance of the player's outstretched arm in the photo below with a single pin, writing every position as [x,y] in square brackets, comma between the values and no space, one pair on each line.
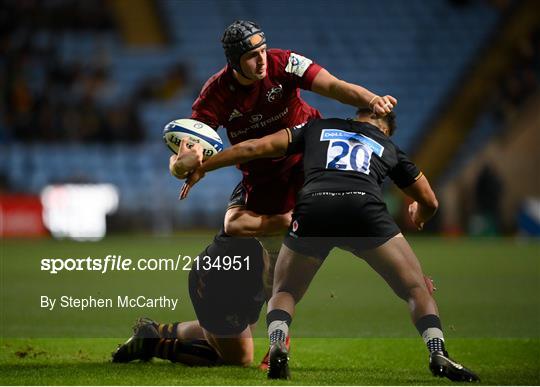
[425,204]
[329,86]
[273,145]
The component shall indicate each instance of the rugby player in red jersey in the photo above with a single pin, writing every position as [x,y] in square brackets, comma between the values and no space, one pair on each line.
[257,93]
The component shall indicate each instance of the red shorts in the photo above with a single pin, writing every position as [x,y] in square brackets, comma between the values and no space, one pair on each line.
[276,196]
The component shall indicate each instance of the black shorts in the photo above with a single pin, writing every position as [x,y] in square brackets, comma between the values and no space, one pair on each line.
[227,301]
[353,220]
[238,197]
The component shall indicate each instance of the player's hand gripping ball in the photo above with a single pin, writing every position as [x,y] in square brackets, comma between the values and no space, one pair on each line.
[192,142]
[187,159]
[196,133]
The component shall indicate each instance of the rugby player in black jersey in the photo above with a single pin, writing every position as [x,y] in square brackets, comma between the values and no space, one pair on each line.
[227,304]
[340,205]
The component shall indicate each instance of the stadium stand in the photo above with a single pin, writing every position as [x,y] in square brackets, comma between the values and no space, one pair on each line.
[88,105]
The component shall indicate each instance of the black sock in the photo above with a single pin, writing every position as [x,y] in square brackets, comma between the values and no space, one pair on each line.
[429,327]
[190,352]
[278,322]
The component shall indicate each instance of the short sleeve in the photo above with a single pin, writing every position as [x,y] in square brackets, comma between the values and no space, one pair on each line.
[405,172]
[298,68]
[304,68]
[296,137]
[202,111]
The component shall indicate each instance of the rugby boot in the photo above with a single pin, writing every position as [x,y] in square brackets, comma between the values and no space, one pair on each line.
[264,362]
[441,365]
[278,364]
[140,346]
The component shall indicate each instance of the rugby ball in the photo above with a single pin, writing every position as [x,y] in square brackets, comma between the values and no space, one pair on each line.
[195,132]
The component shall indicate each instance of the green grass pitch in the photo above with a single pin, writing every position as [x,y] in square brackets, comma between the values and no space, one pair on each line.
[349,330]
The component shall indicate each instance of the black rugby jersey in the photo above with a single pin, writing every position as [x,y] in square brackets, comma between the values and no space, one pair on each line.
[346,155]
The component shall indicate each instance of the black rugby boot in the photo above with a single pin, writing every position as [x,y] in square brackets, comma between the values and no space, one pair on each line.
[278,366]
[441,365]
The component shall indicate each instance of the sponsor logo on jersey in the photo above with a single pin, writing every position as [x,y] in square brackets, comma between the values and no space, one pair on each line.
[235,114]
[297,64]
[255,118]
[259,124]
[275,93]
[338,134]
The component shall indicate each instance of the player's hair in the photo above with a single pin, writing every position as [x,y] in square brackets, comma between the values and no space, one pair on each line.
[389,119]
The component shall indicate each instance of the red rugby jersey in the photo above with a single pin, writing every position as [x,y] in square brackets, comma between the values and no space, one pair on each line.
[262,108]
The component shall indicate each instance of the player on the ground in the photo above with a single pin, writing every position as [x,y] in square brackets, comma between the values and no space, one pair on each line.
[340,205]
[227,304]
[257,94]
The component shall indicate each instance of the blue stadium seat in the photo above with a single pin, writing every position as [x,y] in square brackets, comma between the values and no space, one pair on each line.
[415,50]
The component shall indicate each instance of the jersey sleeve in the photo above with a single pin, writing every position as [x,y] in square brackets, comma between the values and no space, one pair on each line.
[296,138]
[208,107]
[298,68]
[203,111]
[405,172]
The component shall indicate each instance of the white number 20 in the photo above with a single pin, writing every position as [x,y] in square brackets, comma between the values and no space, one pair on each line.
[348,155]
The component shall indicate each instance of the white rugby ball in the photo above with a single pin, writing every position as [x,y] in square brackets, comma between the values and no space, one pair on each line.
[196,132]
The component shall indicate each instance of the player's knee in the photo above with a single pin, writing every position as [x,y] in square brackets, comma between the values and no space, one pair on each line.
[237,351]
